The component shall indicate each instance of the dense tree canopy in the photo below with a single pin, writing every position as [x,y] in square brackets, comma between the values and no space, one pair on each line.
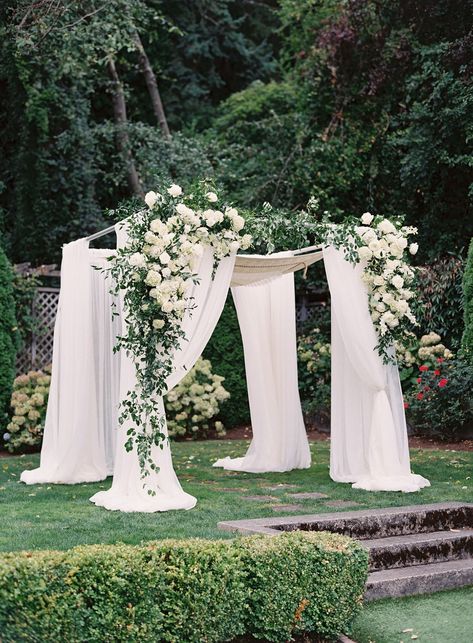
[365,104]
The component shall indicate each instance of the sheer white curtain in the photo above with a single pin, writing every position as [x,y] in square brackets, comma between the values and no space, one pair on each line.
[266,314]
[368,429]
[81,415]
[127,492]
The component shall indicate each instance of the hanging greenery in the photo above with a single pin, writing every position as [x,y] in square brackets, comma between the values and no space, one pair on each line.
[156,271]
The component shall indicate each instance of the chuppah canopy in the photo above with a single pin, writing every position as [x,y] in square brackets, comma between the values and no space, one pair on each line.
[82,439]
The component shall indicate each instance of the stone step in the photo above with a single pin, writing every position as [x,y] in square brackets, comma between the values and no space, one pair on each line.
[420,579]
[419,549]
[366,524]
[392,521]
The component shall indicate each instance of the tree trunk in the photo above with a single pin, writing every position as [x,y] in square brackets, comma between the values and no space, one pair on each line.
[123,140]
[152,84]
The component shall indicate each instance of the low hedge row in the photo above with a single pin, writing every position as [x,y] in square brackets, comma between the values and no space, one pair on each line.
[184,591]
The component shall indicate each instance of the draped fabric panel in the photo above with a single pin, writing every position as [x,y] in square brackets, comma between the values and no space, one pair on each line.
[368,428]
[266,315]
[81,415]
[127,492]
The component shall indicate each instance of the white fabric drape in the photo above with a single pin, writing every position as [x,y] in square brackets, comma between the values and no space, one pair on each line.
[266,314]
[127,492]
[81,414]
[368,429]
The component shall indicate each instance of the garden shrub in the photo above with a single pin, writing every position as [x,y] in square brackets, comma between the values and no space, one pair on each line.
[441,405]
[188,590]
[303,582]
[29,401]
[314,361]
[225,351]
[427,351]
[438,305]
[193,405]
[8,334]
[467,339]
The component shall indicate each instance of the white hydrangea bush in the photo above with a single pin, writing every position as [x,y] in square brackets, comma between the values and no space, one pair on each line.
[28,401]
[426,351]
[194,404]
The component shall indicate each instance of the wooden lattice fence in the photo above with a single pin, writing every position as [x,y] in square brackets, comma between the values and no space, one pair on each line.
[38,351]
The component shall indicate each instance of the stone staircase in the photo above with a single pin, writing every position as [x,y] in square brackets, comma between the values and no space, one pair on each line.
[412,550]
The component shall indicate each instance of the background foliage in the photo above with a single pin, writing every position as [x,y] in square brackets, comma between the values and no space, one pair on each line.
[364,104]
[8,334]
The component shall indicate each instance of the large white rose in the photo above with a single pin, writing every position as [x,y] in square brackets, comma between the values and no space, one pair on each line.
[151,198]
[367,218]
[378,280]
[238,223]
[150,237]
[164,258]
[210,217]
[364,253]
[385,226]
[402,306]
[182,209]
[158,227]
[153,278]
[175,190]
[137,260]
[158,324]
[397,281]
[212,197]
[402,243]
[167,306]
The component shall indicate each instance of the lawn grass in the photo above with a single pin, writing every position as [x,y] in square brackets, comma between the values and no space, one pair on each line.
[61,516]
[444,617]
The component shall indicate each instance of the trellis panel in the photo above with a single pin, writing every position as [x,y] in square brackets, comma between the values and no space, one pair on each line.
[39,352]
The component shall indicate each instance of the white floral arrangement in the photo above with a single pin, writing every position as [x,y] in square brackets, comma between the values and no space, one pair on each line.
[193,405]
[382,247]
[156,271]
[387,275]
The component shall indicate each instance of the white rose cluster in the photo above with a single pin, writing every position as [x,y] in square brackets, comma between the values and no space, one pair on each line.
[386,274]
[173,245]
[156,271]
[192,405]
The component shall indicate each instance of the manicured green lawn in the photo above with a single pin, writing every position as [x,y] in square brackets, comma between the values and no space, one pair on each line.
[445,617]
[60,516]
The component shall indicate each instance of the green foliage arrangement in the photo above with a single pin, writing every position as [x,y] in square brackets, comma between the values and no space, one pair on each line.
[189,591]
[467,339]
[29,401]
[192,407]
[314,360]
[8,334]
[24,290]
[441,405]
[225,351]
[438,305]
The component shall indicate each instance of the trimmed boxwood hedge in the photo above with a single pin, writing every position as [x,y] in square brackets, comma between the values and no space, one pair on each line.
[184,591]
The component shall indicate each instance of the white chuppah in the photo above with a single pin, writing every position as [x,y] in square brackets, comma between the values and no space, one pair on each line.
[82,439]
